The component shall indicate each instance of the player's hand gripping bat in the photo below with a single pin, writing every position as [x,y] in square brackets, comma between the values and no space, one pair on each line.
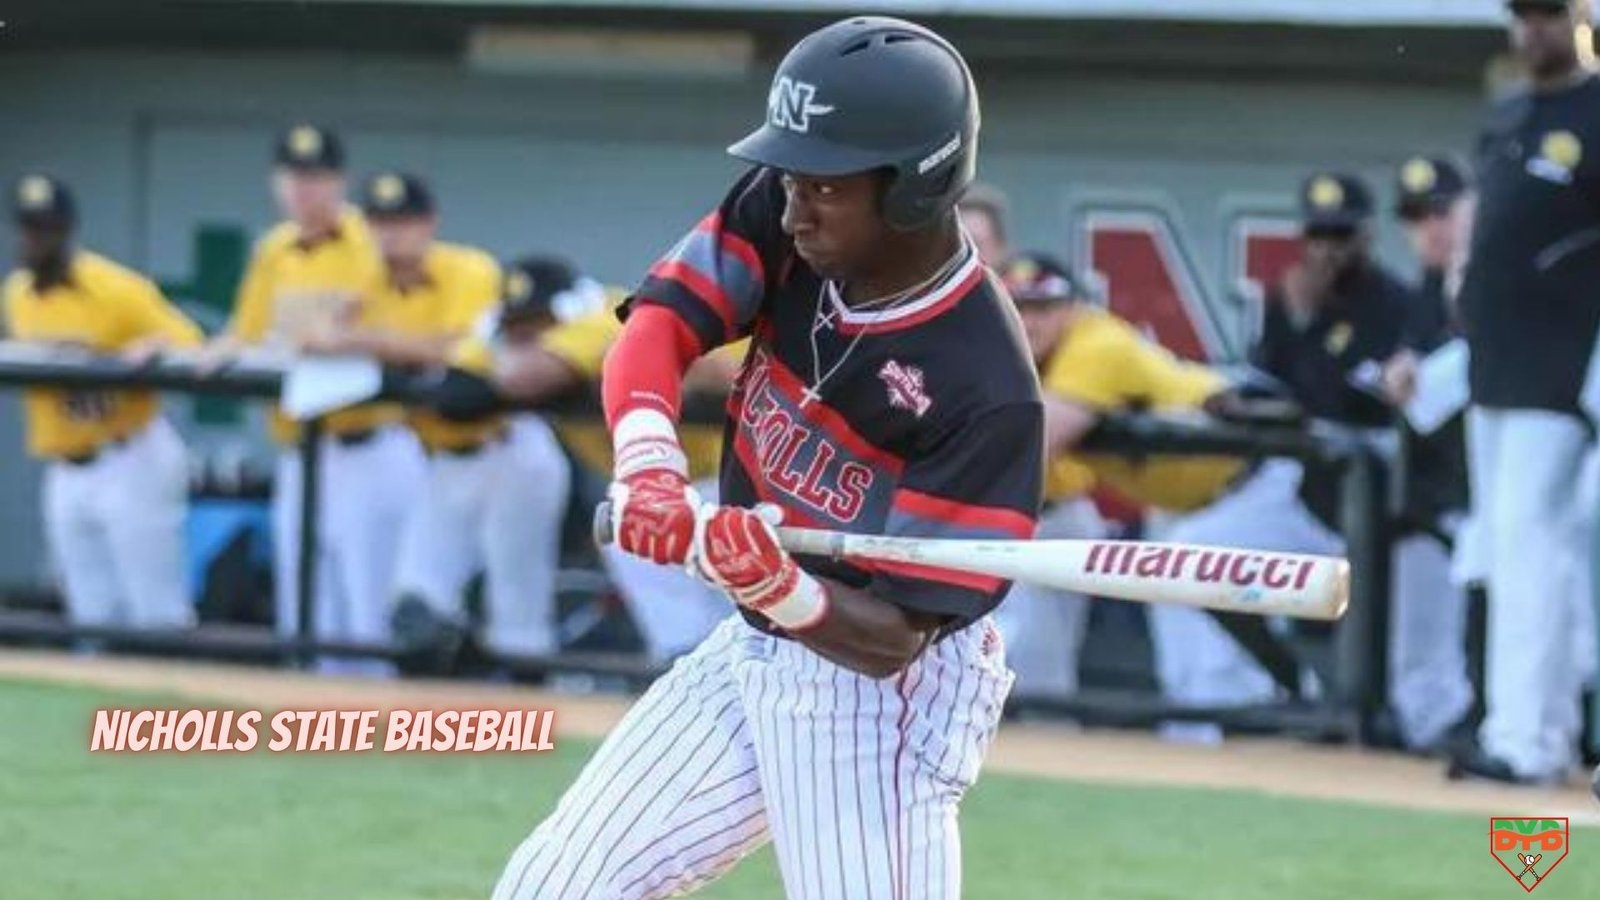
[1238,580]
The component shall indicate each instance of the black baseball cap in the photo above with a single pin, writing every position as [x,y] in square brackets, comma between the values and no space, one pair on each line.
[550,286]
[1334,201]
[396,194]
[309,148]
[1428,184]
[1584,8]
[1034,277]
[38,199]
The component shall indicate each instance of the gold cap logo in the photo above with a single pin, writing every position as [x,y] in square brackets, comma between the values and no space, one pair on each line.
[1326,193]
[305,141]
[519,287]
[1419,176]
[35,192]
[388,190]
[1562,148]
[1022,271]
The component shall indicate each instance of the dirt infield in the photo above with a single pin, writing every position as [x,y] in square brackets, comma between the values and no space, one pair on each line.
[1271,766]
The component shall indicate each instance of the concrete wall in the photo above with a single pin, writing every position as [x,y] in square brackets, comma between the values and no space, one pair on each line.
[158,143]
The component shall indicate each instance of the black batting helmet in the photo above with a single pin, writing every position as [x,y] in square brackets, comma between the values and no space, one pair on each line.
[875,93]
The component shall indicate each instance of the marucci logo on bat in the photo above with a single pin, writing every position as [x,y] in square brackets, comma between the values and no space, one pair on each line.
[1240,568]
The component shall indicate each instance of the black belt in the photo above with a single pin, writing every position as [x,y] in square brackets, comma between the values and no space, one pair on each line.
[468,450]
[90,456]
[355,438]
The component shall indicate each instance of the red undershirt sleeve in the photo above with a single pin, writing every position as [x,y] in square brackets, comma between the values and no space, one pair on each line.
[646,365]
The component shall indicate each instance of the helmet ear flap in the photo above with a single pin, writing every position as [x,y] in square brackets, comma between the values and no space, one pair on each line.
[912,201]
[901,209]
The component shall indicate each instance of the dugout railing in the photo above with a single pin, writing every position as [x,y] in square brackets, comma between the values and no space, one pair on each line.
[1351,675]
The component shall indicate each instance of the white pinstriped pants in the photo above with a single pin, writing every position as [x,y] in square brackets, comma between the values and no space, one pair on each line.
[752,738]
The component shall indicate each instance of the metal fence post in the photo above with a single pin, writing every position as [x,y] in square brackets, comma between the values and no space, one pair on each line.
[306,565]
[1363,637]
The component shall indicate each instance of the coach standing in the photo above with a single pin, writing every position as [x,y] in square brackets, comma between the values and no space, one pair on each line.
[1530,303]
[309,275]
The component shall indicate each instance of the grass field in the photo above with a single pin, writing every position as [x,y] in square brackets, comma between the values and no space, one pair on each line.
[265,825]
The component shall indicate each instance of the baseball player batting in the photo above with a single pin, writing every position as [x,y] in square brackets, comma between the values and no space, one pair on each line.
[887,390]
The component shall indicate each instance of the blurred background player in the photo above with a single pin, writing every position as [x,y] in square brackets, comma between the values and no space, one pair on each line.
[674,611]
[1326,329]
[554,340]
[477,509]
[1043,628]
[1092,363]
[116,480]
[1434,201]
[1528,302]
[983,216]
[1433,204]
[309,275]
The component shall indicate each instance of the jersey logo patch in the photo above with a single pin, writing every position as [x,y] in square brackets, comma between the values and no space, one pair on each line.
[1338,338]
[792,103]
[1559,155]
[905,387]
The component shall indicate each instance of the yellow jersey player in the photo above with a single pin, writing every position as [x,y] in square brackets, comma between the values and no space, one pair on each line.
[1091,363]
[307,276]
[116,473]
[489,503]
[554,339]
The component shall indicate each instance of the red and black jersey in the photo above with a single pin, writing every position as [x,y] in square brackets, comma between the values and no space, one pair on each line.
[929,424]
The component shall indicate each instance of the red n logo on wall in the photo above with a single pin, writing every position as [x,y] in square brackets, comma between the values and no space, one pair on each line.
[1153,281]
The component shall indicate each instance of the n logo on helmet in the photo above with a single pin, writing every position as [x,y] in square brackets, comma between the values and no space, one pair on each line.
[791,104]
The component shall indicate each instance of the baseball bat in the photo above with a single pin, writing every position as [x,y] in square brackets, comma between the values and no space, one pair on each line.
[1259,582]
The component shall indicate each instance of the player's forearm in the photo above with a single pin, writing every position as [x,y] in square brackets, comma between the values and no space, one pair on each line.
[646,365]
[401,350]
[174,329]
[533,375]
[866,634]
[1065,424]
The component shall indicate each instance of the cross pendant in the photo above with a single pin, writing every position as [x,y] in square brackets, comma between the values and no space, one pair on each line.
[808,396]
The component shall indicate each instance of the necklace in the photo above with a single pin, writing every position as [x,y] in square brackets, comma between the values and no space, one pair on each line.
[824,319]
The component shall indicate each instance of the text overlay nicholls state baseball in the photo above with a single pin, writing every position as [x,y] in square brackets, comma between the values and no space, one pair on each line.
[322,730]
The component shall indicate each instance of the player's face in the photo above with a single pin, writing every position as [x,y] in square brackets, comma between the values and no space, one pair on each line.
[985,234]
[1433,237]
[524,331]
[403,239]
[1044,323]
[834,221]
[39,244]
[1328,252]
[1546,39]
[311,199]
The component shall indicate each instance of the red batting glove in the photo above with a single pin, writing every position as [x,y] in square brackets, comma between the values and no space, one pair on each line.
[737,550]
[652,515]
[652,504]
